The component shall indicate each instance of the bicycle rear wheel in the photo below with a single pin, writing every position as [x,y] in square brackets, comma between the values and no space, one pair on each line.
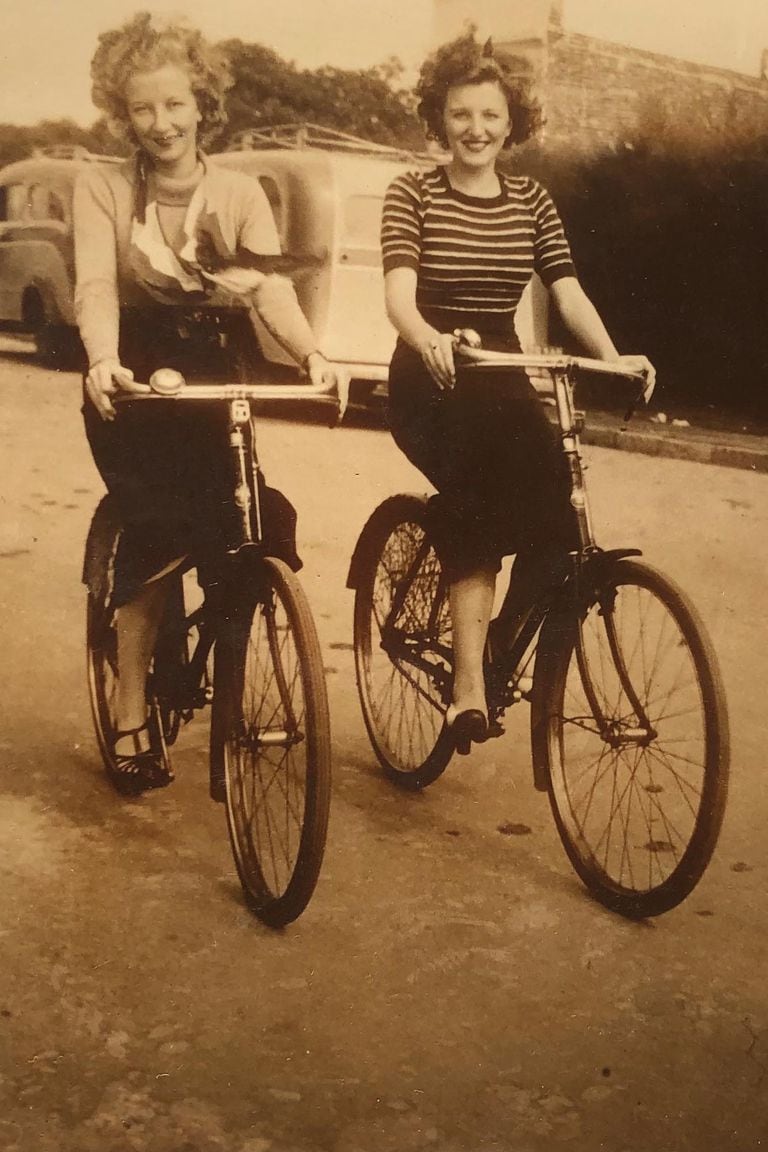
[637,743]
[272,714]
[402,642]
[101,658]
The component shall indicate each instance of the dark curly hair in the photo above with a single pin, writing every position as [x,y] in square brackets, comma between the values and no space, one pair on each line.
[466,61]
[145,43]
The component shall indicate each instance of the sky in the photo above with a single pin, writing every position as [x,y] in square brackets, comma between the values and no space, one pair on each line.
[46,45]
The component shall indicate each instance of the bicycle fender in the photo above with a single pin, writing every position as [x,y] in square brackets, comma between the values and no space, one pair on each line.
[389,513]
[557,634]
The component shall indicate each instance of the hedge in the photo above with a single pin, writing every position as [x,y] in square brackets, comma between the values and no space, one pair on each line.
[673,249]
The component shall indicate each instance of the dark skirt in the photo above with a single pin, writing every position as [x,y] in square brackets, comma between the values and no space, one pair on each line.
[494,458]
[167,465]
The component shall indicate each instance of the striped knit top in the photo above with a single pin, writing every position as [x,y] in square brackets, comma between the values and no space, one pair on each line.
[473,256]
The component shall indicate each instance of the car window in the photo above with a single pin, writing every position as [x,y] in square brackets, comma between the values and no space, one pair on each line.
[44,204]
[56,209]
[275,202]
[13,201]
[362,222]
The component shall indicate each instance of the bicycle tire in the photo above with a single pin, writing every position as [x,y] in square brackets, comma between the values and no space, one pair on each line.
[101,661]
[272,719]
[671,761]
[403,705]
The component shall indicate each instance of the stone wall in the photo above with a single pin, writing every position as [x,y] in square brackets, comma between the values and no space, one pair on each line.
[597,94]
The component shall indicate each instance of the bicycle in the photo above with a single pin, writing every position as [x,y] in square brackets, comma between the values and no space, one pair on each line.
[251,652]
[628,726]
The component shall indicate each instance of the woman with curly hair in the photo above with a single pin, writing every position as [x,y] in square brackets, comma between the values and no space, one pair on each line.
[460,243]
[150,234]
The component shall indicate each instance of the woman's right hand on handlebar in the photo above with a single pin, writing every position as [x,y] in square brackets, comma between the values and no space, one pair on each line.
[436,350]
[106,378]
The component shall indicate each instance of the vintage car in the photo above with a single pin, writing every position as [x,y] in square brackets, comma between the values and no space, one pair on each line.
[36,251]
[326,190]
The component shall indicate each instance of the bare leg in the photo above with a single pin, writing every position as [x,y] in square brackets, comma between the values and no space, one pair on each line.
[137,627]
[471,600]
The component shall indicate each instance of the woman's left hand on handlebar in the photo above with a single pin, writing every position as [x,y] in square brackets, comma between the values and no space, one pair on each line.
[642,364]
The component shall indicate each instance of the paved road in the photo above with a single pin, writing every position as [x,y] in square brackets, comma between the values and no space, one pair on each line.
[449,987]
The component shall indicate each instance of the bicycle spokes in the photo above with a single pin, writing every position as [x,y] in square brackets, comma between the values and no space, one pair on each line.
[637,755]
[403,648]
[269,769]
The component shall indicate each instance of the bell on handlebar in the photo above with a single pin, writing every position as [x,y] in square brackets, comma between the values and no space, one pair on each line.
[467,338]
[167,381]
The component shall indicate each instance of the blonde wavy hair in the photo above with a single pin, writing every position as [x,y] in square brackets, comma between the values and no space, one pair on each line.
[145,43]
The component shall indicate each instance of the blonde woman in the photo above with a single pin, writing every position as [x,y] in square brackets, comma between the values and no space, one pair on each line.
[145,232]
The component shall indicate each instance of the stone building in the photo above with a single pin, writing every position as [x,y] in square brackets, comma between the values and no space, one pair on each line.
[597,94]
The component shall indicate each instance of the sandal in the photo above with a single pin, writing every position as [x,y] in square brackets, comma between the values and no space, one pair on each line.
[142,768]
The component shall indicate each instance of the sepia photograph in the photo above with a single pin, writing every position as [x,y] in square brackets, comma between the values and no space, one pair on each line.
[383,553]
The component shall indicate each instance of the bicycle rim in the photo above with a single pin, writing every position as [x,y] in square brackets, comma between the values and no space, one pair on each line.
[402,639]
[277,753]
[638,744]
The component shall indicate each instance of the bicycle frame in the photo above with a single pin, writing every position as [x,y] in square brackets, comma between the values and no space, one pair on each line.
[562,371]
[238,398]
[580,585]
[183,690]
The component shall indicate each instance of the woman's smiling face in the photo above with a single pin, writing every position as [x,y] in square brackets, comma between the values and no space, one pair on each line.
[164,116]
[476,122]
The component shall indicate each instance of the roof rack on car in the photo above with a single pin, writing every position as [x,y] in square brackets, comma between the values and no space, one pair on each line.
[72,152]
[316,136]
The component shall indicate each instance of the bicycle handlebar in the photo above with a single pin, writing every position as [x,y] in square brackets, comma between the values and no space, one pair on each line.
[471,355]
[552,362]
[168,384]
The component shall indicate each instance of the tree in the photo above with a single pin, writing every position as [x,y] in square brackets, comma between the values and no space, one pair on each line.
[270,90]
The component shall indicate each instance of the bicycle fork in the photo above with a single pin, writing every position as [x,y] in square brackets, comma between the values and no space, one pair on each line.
[643,732]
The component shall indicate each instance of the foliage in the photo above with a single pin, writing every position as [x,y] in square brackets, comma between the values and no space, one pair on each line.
[368,103]
[670,235]
[268,90]
[18,141]
[672,246]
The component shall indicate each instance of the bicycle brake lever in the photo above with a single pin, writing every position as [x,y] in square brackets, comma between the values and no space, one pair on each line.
[633,406]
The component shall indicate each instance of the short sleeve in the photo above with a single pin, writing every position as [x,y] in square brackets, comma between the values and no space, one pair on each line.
[552,254]
[401,224]
[258,230]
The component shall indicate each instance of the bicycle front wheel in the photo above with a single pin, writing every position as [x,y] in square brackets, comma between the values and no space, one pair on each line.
[272,711]
[402,641]
[637,743]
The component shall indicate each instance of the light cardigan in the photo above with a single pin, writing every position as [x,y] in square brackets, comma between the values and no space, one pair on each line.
[103,211]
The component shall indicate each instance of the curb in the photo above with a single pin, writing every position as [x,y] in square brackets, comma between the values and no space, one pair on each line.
[745,456]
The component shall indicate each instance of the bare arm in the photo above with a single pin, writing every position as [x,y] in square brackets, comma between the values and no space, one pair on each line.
[274,299]
[96,295]
[435,348]
[582,319]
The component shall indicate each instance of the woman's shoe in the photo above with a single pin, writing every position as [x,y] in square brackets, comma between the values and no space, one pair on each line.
[143,767]
[467,727]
